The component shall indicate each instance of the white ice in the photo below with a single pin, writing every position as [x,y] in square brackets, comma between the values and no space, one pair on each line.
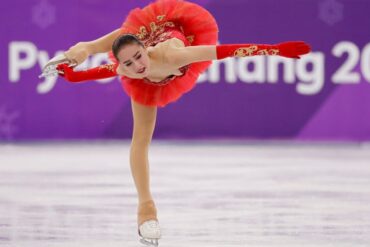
[207,194]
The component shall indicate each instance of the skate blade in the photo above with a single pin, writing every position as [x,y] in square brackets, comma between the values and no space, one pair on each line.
[50,69]
[149,242]
[51,72]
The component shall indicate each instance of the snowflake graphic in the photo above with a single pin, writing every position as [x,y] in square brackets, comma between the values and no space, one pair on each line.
[331,11]
[7,126]
[43,14]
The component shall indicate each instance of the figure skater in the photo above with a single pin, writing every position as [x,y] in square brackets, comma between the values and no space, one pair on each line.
[159,52]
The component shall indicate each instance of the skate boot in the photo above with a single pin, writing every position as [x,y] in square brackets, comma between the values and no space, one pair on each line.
[149,230]
[50,67]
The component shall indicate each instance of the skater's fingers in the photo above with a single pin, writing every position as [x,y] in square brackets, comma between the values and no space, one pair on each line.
[73,58]
[303,49]
[63,69]
[72,63]
[77,53]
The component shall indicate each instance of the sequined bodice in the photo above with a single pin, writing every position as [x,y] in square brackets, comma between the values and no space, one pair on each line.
[160,32]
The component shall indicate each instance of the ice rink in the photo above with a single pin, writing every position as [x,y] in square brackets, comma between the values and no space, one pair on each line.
[207,194]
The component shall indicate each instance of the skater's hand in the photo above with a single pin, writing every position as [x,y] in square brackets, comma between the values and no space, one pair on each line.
[67,72]
[293,49]
[79,52]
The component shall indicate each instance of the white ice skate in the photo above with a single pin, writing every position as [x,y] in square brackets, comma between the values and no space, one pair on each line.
[150,233]
[50,67]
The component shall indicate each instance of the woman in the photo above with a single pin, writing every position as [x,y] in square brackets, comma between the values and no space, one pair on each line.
[159,52]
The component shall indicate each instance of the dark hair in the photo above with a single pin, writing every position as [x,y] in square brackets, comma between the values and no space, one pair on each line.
[124,40]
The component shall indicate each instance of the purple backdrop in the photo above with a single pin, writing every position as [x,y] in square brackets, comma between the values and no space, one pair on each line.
[324,96]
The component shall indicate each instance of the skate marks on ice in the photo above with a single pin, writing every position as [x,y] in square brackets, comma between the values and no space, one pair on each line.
[207,195]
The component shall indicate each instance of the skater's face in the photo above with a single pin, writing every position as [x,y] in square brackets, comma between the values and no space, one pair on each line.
[134,61]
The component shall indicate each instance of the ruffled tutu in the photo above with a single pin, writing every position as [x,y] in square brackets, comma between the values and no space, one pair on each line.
[158,22]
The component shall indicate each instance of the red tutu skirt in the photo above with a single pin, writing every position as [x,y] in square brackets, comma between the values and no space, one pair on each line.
[157,22]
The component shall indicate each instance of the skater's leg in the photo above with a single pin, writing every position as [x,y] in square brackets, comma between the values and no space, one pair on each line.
[144,123]
[140,170]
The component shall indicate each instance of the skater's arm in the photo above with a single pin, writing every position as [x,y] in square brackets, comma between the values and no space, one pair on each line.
[186,55]
[82,50]
[103,44]
[144,123]
[97,73]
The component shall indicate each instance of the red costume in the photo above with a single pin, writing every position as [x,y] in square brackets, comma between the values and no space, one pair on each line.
[189,22]
[157,22]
